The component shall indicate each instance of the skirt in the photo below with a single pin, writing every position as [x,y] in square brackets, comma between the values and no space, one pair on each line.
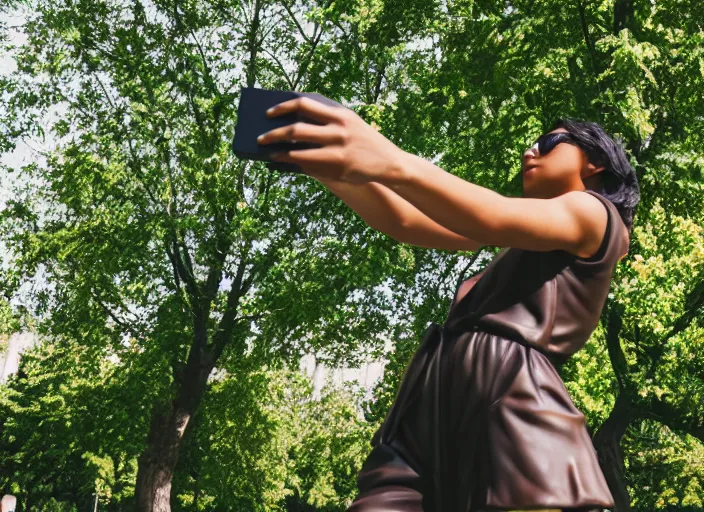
[481,422]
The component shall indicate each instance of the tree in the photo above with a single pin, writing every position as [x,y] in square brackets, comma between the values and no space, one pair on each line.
[263,444]
[155,241]
[71,424]
[504,74]
[151,236]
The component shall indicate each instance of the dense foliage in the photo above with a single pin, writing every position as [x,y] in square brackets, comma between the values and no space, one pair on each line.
[175,286]
[74,421]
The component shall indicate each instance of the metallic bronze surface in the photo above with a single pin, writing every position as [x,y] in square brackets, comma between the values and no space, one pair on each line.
[482,419]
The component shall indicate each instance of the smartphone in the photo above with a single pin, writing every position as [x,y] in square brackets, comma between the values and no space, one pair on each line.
[252,122]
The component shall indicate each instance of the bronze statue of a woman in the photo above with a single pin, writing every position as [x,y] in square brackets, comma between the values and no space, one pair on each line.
[482,420]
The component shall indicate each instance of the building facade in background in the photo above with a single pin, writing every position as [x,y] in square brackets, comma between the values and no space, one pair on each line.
[10,359]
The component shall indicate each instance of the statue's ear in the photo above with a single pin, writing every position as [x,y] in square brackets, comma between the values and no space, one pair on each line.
[591,170]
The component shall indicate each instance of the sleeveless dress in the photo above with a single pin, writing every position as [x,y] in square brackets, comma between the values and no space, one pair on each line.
[482,419]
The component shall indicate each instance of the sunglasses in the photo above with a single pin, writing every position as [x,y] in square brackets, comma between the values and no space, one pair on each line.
[549,141]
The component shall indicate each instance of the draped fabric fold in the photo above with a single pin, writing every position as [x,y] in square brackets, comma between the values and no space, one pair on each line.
[482,419]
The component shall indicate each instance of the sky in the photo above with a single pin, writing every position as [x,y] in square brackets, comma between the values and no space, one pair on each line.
[23,153]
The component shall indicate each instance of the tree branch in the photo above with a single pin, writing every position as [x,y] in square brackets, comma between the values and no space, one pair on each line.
[303,68]
[174,265]
[122,324]
[250,74]
[180,272]
[293,17]
[208,73]
[694,306]
[587,37]
[215,275]
[281,67]
[613,344]
[227,322]
[623,12]
[379,80]
[675,418]
[240,287]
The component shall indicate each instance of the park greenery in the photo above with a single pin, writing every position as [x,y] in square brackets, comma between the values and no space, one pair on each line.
[174,288]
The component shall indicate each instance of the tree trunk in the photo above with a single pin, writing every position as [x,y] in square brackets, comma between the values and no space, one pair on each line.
[607,442]
[158,461]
